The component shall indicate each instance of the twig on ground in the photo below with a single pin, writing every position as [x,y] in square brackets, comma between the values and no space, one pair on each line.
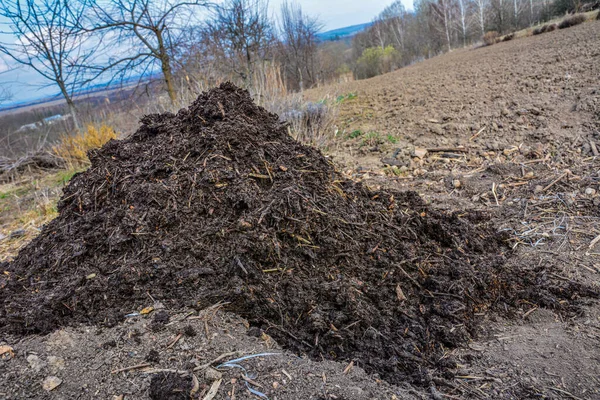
[554,182]
[138,366]
[222,356]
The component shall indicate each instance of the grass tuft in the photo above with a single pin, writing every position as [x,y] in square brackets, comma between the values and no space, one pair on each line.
[73,149]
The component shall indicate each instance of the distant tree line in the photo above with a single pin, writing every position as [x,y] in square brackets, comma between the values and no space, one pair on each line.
[399,37]
[192,44]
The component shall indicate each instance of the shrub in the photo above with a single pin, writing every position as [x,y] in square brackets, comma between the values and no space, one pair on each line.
[508,37]
[551,28]
[375,61]
[572,21]
[598,16]
[490,38]
[73,149]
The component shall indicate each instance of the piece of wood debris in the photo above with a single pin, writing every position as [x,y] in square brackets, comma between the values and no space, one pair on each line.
[554,182]
[594,148]
[214,388]
[447,150]
[400,293]
[222,356]
[174,341]
[594,241]
[349,367]
[137,366]
[477,134]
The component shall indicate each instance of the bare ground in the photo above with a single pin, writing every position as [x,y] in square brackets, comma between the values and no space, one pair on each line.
[519,121]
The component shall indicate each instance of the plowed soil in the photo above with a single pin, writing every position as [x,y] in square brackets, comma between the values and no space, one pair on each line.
[512,130]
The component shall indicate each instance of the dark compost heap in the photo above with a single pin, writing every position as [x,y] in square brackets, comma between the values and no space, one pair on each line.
[220,203]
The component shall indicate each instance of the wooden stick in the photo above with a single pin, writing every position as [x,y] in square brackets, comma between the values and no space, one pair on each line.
[594,241]
[174,341]
[144,365]
[565,393]
[594,149]
[448,150]
[413,280]
[477,134]
[554,182]
[212,392]
[494,193]
[222,356]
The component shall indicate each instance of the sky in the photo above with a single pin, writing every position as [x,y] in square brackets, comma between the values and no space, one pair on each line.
[26,85]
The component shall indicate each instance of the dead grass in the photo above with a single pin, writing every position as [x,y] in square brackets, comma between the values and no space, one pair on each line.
[73,148]
[490,38]
[508,37]
[551,25]
[26,205]
[572,21]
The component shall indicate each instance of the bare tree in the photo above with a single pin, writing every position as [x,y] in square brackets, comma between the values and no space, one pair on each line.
[143,34]
[498,14]
[5,94]
[463,20]
[44,36]
[395,15]
[240,35]
[481,6]
[299,45]
[441,11]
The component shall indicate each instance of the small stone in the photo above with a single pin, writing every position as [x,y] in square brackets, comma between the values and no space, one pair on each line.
[538,189]
[456,184]
[35,363]
[420,152]
[590,191]
[51,383]
[243,224]
[275,385]
[211,374]
[56,364]
[17,234]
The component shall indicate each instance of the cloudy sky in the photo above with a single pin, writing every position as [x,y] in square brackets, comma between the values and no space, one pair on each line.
[25,85]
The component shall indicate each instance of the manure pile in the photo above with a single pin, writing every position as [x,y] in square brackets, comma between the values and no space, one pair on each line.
[219,204]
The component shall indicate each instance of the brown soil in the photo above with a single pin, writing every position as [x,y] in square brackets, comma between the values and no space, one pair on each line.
[85,359]
[498,299]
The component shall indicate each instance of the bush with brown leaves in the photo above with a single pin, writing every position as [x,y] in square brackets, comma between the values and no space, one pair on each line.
[572,21]
[490,38]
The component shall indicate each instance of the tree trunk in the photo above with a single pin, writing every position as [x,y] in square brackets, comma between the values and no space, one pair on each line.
[446,22]
[165,65]
[73,112]
[70,104]
[463,21]
[481,19]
